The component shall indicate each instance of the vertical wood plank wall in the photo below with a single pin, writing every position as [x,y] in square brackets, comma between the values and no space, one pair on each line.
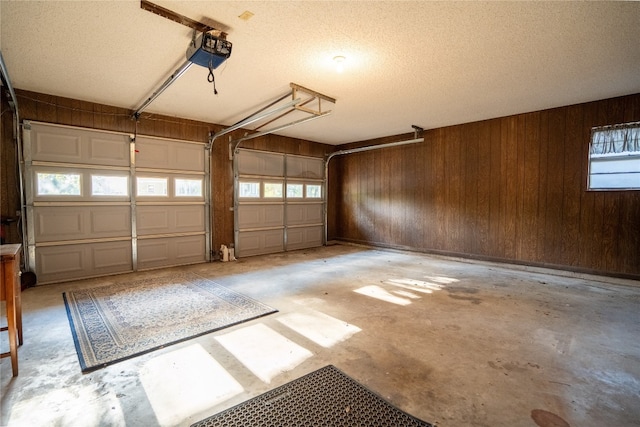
[9,193]
[510,189]
[53,109]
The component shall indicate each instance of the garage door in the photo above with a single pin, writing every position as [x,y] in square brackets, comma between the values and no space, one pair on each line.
[279,202]
[100,203]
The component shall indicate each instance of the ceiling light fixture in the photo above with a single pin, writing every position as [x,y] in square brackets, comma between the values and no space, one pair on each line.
[339,61]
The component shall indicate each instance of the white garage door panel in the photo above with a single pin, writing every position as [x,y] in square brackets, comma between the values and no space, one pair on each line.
[189,157]
[304,167]
[169,219]
[260,163]
[151,220]
[262,209]
[60,223]
[62,148]
[304,214]
[56,223]
[273,215]
[170,251]
[72,145]
[190,218]
[110,256]
[153,252]
[109,152]
[260,216]
[60,260]
[260,242]
[304,237]
[81,225]
[159,153]
[57,263]
[152,154]
[111,221]
[189,249]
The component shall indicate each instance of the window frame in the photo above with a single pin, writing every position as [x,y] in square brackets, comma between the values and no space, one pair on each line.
[274,182]
[147,196]
[297,184]
[107,175]
[200,181]
[253,183]
[618,145]
[39,195]
[306,191]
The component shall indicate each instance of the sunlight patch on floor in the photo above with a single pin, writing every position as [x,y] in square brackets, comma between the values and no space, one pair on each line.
[441,279]
[186,381]
[407,294]
[415,285]
[319,327]
[89,408]
[377,292]
[263,351]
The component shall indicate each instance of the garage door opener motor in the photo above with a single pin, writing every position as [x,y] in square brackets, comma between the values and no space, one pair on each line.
[209,50]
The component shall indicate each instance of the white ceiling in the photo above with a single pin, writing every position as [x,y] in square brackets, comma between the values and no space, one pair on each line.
[430,64]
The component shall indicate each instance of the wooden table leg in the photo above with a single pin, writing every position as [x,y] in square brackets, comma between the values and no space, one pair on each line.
[18,299]
[12,328]
[11,290]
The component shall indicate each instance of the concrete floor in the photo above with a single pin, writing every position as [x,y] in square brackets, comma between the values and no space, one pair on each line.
[452,342]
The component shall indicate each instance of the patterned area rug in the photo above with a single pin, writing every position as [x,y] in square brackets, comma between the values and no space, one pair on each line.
[326,397]
[119,321]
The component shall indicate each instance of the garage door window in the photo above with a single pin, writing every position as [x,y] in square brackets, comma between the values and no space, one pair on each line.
[152,186]
[58,184]
[314,191]
[295,191]
[188,187]
[272,190]
[249,190]
[105,185]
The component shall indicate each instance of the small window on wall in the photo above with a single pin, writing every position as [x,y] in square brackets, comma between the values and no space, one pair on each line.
[314,191]
[58,184]
[151,186]
[614,157]
[109,185]
[249,190]
[295,191]
[188,187]
[272,190]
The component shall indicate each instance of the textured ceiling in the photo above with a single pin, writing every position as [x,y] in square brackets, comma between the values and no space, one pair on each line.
[430,64]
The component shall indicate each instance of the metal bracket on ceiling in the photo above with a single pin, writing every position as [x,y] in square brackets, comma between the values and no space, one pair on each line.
[300,98]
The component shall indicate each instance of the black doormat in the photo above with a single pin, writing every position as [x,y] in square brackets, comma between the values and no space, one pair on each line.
[326,397]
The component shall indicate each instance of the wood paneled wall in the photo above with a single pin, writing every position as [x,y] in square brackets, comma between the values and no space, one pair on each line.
[9,193]
[54,109]
[508,189]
